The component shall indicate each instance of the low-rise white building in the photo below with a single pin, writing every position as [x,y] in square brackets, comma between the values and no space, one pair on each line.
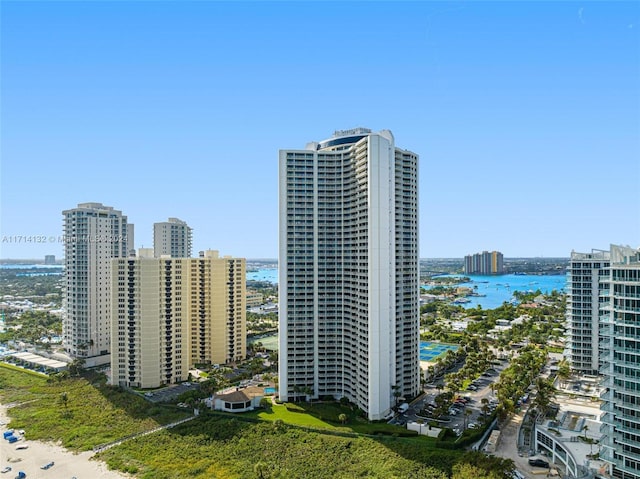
[240,400]
[571,442]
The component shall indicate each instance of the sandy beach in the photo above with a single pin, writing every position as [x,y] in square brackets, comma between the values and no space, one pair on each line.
[67,464]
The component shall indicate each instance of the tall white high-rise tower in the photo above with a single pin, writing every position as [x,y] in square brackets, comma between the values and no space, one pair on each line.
[348,266]
[94,234]
[586,292]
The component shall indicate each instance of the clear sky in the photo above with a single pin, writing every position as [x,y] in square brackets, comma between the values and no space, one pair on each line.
[526,116]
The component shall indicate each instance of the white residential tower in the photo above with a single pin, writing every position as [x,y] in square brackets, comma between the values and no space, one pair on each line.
[620,357]
[348,267]
[585,292]
[172,238]
[93,234]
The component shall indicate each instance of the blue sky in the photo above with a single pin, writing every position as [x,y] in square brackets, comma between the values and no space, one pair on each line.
[526,116]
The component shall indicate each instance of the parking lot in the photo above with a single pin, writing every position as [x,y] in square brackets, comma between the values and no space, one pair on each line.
[169,393]
[472,401]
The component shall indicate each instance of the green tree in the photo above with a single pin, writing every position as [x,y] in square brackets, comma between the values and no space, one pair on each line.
[343,418]
[278,425]
[564,371]
[261,470]
[544,394]
[470,471]
[76,367]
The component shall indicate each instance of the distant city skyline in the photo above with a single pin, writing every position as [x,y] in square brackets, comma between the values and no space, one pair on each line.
[526,116]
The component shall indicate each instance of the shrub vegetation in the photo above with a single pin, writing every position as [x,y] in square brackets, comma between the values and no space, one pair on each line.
[84,412]
[92,414]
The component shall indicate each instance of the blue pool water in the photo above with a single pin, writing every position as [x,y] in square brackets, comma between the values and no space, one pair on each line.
[429,351]
[270,390]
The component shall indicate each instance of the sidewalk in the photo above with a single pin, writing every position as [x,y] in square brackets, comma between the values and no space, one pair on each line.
[507,446]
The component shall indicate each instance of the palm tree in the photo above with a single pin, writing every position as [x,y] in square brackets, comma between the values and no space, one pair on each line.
[64,398]
[454,383]
[396,392]
[544,395]
[308,392]
[485,406]
[76,367]
[449,358]
[209,386]
[296,390]
[564,371]
[585,428]
[467,413]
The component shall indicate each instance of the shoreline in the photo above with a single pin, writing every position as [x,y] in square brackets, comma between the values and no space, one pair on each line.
[68,464]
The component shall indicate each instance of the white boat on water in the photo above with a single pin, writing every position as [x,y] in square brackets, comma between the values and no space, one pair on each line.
[461,301]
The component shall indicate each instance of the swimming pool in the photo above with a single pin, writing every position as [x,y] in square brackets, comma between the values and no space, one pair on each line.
[270,390]
[429,351]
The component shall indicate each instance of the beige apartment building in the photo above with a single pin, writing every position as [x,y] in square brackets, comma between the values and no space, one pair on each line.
[254,299]
[217,309]
[170,314]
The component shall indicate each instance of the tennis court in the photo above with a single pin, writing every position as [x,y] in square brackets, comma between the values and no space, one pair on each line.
[430,351]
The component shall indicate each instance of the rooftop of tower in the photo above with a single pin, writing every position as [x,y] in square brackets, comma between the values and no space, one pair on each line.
[352,132]
[345,137]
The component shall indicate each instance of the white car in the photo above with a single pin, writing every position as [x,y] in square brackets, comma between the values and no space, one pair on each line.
[5,469]
[22,446]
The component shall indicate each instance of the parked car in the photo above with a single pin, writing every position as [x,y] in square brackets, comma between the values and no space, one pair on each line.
[47,465]
[5,469]
[538,463]
[22,446]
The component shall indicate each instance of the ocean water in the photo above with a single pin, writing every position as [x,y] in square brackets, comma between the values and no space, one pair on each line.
[498,289]
[31,266]
[269,274]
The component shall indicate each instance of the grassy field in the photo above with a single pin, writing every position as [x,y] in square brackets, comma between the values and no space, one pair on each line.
[326,416]
[279,411]
[94,413]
